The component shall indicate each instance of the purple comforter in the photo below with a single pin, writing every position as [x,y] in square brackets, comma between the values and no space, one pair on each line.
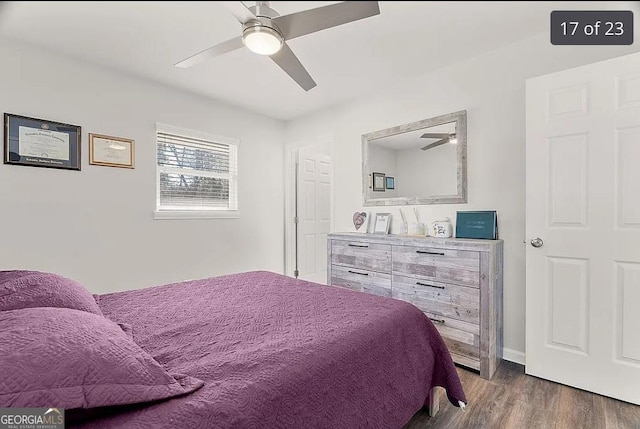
[275,352]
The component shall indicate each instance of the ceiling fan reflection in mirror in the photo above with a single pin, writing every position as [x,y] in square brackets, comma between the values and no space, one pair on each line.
[265,32]
[442,139]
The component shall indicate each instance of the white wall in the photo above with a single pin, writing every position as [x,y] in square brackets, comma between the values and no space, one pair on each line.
[492,90]
[427,173]
[97,225]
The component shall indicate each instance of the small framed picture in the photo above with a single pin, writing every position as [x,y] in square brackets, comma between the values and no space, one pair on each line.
[390,182]
[382,223]
[378,182]
[111,151]
[361,221]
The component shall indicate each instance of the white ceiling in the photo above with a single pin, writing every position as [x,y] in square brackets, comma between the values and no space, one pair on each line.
[146,38]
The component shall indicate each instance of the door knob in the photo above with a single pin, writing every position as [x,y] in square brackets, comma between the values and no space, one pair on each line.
[537,242]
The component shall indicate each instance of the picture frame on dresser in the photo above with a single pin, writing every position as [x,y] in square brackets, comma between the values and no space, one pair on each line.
[477,224]
[361,222]
[382,223]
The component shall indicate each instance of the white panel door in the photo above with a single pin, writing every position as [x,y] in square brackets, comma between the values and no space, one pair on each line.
[313,196]
[583,202]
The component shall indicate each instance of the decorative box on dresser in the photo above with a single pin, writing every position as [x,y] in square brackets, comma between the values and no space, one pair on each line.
[456,282]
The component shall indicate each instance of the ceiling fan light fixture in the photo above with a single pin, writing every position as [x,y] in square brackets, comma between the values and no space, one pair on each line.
[262,40]
[453,139]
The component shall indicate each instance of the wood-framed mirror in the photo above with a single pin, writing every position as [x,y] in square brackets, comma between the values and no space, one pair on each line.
[426,161]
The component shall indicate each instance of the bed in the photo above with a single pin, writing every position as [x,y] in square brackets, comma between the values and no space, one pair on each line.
[270,351]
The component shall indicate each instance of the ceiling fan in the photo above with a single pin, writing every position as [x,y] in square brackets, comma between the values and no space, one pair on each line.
[265,32]
[444,138]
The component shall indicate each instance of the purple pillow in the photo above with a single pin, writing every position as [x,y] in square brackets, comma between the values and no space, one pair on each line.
[5,276]
[27,289]
[56,357]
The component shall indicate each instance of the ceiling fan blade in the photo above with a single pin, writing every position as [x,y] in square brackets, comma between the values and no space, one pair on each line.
[222,48]
[436,144]
[309,21]
[287,61]
[239,10]
[435,135]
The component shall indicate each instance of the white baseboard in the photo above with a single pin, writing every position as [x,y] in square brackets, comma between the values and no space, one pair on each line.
[513,356]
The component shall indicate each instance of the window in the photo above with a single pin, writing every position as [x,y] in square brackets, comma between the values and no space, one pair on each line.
[197,173]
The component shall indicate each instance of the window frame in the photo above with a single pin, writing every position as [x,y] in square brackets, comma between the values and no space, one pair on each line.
[169,213]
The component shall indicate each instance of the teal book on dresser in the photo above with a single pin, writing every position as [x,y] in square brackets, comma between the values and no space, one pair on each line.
[477,224]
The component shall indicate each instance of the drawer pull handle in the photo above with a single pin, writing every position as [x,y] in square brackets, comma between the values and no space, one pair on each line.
[426,284]
[358,245]
[440,321]
[355,272]
[425,252]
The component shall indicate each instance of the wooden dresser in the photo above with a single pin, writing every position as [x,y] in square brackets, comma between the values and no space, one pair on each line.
[457,283]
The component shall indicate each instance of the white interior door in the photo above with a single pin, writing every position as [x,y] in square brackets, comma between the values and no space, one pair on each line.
[583,202]
[313,199]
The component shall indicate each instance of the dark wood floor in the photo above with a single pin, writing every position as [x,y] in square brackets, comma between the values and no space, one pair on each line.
[512,399]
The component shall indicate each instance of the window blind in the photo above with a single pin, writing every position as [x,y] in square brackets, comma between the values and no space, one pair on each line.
[196,172]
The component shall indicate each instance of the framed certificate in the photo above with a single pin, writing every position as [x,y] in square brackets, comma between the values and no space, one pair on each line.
[378,182]
[111,151]
[41,143]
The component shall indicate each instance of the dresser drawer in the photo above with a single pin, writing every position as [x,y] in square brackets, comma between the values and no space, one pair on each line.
[444,265]
[361,280]
[361,255]
[462,339]
[442,299]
